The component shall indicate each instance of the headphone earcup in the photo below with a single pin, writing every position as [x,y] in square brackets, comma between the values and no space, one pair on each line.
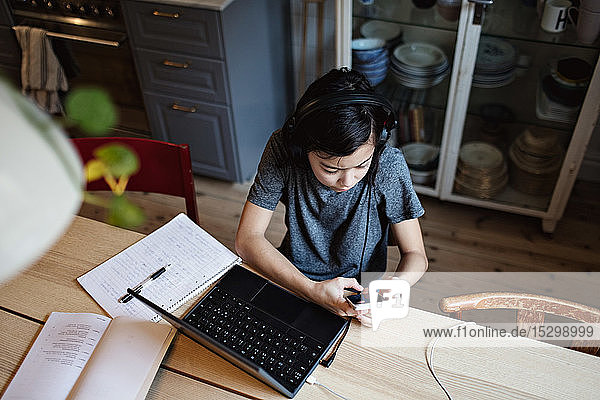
[385,135]
[388,125]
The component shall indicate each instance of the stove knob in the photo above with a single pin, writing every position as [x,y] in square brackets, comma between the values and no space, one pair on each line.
[83,9]
[33,3]
[68,6]
[49,5]
[109,12]
[94,11]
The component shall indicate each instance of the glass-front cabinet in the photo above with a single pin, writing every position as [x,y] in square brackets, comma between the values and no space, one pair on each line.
[495,102]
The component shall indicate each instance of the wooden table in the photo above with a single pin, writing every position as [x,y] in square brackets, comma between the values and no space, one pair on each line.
[386,364]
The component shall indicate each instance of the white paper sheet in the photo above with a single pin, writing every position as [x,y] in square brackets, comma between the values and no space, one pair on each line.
[197,259]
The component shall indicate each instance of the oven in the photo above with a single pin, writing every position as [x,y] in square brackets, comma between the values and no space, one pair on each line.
[90,41]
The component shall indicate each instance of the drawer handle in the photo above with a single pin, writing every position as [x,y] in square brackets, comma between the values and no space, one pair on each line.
[174,64]
[184,108]
[164,14]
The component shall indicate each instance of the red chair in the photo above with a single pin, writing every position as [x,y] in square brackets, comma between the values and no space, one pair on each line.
[165,168]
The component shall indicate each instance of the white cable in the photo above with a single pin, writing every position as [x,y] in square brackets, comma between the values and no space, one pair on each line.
[311,380]
[429,355]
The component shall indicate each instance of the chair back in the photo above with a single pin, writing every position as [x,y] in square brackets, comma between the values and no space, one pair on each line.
[165,168]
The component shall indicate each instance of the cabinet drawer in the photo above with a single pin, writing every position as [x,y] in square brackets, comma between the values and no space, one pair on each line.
[205,127]
[198,78]
[10,51]
[174,29]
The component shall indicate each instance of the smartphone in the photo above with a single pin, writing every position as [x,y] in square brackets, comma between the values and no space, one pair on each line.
[358,300]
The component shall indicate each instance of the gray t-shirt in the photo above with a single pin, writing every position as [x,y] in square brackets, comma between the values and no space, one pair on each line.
[326,230]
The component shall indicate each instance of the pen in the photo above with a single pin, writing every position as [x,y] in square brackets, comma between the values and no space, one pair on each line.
[138,288]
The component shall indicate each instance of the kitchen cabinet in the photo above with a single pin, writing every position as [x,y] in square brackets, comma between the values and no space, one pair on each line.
[213,76]
[513,116]
[10,52]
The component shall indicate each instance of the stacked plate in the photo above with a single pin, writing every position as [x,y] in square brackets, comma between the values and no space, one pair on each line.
[419,65]
[562,91]
[535,161]
[550,110]
[495,63]
[481,171]
[370,56]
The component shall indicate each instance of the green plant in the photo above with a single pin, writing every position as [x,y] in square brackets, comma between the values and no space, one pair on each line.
[92,110]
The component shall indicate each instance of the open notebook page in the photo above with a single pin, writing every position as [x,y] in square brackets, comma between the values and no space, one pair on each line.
[125,361]
[57,356]
[196,259]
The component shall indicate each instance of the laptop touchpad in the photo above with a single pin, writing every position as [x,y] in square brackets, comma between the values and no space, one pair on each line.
[279,303]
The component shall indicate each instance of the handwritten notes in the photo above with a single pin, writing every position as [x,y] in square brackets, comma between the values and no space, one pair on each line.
[197,259]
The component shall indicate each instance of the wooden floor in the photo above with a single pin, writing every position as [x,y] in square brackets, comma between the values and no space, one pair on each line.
[457,237]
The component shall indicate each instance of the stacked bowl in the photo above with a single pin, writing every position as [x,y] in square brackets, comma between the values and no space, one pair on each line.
[495,64]
[422,160]
[370,56]
[535,161]
[419,65]
[481,171]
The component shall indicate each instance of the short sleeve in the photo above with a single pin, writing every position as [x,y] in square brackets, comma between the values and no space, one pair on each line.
[269,182]
[395,186]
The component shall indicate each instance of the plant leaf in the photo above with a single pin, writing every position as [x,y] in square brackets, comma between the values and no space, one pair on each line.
[125,214]
[118,159]
[92,109]
[94,169]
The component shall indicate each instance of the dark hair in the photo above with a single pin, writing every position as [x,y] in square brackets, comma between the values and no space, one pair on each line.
[335,130]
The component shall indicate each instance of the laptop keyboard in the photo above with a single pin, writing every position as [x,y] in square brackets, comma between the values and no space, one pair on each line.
[282,351]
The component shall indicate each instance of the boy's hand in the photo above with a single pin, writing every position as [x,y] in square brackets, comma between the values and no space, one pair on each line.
[330,295]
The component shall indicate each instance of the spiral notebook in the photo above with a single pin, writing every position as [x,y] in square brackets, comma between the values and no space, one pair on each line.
[195,259]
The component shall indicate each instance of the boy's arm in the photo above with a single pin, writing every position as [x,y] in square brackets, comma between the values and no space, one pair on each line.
[409,239]
[257,251]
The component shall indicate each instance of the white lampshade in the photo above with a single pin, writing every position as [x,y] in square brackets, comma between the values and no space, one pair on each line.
[41,177]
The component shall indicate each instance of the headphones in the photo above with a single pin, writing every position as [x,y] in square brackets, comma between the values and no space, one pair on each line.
[346,97]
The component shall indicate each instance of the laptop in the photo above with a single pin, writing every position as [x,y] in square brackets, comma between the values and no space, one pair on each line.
[259,327]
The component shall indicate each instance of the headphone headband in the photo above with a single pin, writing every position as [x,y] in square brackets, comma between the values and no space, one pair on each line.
[347,97]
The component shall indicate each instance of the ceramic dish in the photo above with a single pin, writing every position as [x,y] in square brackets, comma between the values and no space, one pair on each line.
[421,55]
[373,65]
[421,156]
[573,70]
[569,96]
[380,30]
[495,54]
[368,50]
[423,177]
[358,57]
[368,44]
[481,155]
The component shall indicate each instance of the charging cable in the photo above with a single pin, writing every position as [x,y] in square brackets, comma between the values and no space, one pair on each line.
[311,380]
[429,352]
[326,362]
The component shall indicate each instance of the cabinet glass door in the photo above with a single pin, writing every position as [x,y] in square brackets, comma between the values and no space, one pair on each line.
[526,94]
[406,48]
